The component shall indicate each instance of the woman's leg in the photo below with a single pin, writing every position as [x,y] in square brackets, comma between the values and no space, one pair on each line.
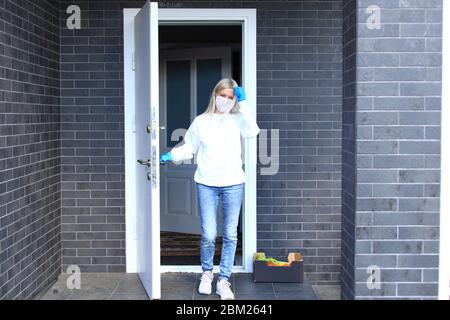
[208,198]
[231,206]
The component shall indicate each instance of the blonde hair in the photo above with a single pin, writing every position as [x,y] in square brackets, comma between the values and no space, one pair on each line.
[226,83]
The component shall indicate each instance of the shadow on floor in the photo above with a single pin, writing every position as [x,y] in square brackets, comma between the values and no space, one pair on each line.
[174,286]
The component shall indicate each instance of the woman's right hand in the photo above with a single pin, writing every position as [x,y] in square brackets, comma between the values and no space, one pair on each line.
[165,157]
[239,93]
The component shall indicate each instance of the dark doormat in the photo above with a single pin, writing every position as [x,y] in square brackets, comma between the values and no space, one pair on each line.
[184,249]
[183,244]
[185,260]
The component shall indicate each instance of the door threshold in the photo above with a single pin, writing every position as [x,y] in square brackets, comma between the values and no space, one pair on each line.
[198,269]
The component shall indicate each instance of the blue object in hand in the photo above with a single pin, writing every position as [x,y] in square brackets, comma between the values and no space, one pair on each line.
[166,157]
[239,93]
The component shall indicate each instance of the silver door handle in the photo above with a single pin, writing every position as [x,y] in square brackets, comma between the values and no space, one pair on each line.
[147,162]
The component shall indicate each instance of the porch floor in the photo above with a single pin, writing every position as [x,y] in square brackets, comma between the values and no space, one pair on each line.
[174,286]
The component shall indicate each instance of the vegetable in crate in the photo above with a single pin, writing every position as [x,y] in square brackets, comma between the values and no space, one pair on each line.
[271,262]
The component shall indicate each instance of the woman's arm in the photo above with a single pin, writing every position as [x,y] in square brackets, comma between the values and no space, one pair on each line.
[190,146]
[248,125]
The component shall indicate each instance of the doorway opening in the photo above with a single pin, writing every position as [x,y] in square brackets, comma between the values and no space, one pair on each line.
[192,59]
[143,131]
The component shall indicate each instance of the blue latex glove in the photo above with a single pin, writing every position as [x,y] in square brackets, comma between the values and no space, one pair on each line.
[239,93]
[165,157]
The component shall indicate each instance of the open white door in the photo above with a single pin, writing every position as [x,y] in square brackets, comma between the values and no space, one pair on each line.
[147,147]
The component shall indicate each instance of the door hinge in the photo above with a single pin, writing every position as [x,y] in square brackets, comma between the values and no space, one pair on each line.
[133,62]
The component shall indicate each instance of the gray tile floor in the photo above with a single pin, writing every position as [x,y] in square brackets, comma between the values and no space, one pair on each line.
[99,286]
[174,286]
[327,292]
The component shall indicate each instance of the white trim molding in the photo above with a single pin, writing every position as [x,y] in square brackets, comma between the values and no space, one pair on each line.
[168,16]
[130,146]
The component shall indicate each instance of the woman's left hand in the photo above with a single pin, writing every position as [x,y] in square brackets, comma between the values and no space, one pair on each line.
[165,157]
[239,93]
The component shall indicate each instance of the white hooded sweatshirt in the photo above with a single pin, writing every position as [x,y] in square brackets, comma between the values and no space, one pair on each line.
[216,140]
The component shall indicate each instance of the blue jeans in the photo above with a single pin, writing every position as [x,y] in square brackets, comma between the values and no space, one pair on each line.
[208,197]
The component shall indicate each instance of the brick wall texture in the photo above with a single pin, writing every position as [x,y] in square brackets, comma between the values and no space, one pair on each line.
[299,93]
[348,149]
[397,148]
[30,174]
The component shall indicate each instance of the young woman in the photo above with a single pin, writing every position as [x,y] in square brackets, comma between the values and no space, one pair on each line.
[214,137]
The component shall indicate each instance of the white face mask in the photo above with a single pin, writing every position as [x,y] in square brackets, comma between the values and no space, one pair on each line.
[224,104]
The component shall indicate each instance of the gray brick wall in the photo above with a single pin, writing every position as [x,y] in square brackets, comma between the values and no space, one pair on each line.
[92,122]
[30,203]
[398,148]
[348,149]
[299,93]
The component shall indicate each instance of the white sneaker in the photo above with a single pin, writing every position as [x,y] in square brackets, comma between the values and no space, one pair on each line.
[223,290]
[205,282]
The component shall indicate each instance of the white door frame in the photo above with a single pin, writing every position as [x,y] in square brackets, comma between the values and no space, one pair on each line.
[444,232]
[168,16]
